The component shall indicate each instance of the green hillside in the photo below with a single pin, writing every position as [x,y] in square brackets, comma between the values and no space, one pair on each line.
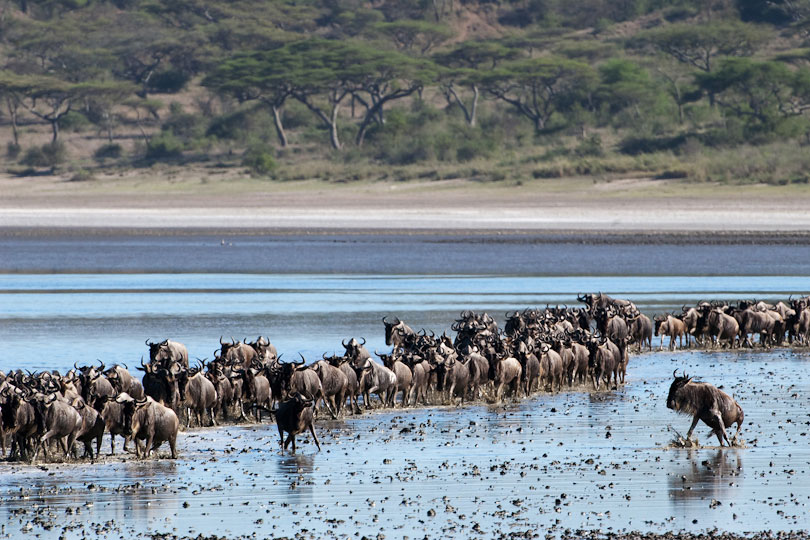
[347,90]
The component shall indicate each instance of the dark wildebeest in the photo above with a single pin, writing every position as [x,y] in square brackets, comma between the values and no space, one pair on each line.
[672,327]
[166,352]
[397,333]
[162,384]
[154,423]
[19,418]
[705,402]
[294,416]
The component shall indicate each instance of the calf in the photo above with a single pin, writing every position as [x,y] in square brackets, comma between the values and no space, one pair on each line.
[294,416]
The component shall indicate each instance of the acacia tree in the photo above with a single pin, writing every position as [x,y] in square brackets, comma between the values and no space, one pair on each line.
[414,36]
[258,75]
[377,78]
[536,87]
[761,92]
[464,64]
[700,45]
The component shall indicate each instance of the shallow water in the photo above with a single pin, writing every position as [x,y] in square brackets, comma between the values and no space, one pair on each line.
[569,460]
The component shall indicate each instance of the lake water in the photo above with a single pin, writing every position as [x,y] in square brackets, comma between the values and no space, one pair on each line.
[569,460]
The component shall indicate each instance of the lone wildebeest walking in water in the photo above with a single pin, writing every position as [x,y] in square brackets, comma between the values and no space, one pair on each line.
[295,416]
[705,402]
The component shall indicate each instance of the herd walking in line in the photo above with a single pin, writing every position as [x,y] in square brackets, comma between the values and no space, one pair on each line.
[536,350]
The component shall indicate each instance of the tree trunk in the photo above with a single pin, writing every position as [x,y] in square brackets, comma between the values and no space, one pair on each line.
[282,136]
[12,112]
[55,129]
[333,132]
[474,108]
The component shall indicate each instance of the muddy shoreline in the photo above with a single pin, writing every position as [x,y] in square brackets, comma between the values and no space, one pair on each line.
[480,236]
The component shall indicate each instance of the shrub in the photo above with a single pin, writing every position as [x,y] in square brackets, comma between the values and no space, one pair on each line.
[164,146]
[12,150]
[259,161]
[108,151]
[73,121]
[167,82]
[48,155]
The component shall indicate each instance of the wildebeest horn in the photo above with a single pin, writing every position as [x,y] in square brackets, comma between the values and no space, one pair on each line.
[220,341]
[75,366]
[343,342]
[302,358]
[675,373]
[148,343]
[364,341]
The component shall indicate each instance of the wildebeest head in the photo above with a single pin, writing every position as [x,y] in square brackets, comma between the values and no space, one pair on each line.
[678,400]
[390,328]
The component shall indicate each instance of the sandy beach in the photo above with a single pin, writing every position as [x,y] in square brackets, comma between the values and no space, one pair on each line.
[185,202]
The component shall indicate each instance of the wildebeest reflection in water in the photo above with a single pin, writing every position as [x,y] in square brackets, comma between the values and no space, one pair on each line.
[712,476]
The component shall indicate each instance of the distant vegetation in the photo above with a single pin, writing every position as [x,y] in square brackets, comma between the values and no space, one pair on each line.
[706,90]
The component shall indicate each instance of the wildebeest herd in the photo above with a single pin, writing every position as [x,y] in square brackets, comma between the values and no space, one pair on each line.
[537,349]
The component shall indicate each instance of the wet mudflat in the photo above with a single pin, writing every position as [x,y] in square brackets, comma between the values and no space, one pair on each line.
[570,461]
[567,461]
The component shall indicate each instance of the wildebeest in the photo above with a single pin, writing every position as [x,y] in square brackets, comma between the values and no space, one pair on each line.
[59,421]
[92,427]
[334,383]
[397,333]
[705,402]
[404,377]
[672,327]
[756,322]
[161,384]
[377,379]
[113,413]
[294,416]
[155,424]
[166,352]
[200,397]
[507,372]
[123,381]
[352,382]
[453,378]
[602,362]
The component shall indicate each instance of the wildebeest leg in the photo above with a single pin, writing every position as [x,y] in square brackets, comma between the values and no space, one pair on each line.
[281,442]
[315,437]
[188,417]
[213,419]
[147,451]
[290,438]
[718,427]
[173,446]
[692,427]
